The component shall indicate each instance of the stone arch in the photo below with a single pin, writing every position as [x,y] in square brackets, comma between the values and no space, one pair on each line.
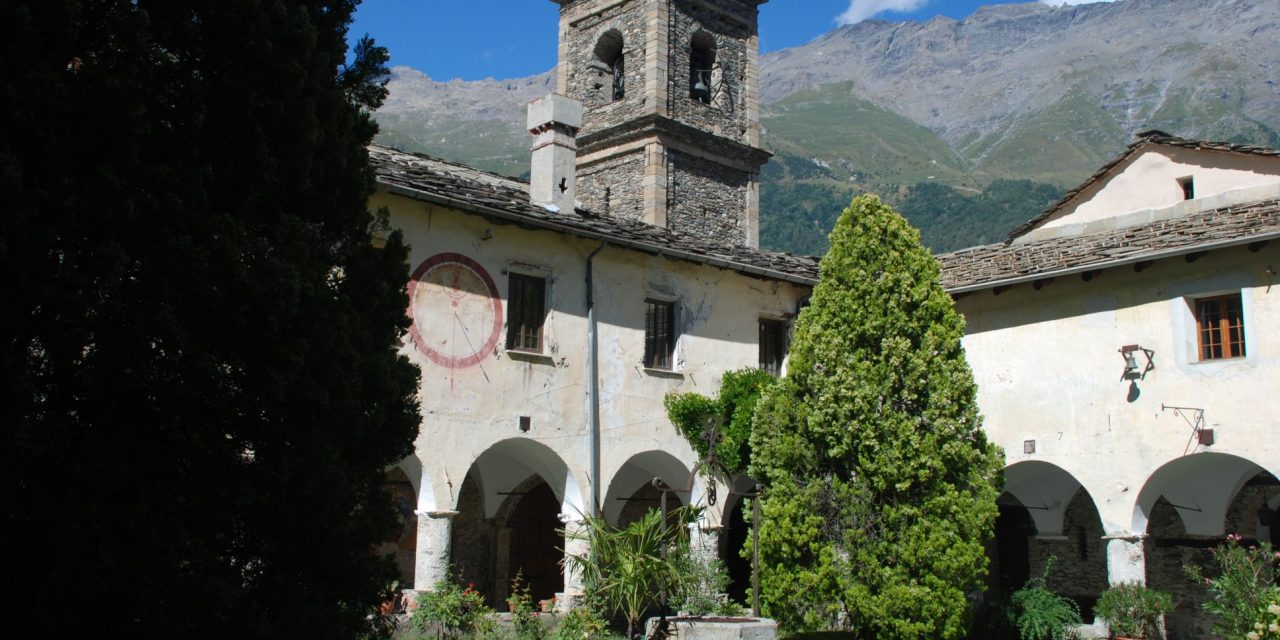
[1200,487]
[509,462]
[1046,513]
[1044,489]
[421,481]
[735,534]
[702,64]
[401,543]
[515,497]
[638,471]
[608,65]
[1186,508]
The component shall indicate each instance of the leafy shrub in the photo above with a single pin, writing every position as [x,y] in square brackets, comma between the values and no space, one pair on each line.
[1245,577]
[582,622]
[1133,610]
[1040,614]
[454,612]
[1267,625]
[625,569]
[733,408]
[993,619]
[703,585]
[524,617]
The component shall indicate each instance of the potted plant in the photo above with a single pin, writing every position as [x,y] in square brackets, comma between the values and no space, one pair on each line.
[1134,611]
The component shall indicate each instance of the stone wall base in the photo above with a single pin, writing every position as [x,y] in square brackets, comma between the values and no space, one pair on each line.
[681,628]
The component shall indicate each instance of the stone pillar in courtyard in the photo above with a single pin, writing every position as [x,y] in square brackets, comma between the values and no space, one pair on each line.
[432,562]
[1126,559]
[704,540]
[575,544]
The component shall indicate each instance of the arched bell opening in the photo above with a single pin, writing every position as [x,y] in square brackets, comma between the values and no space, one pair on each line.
[609,66]
[702,62]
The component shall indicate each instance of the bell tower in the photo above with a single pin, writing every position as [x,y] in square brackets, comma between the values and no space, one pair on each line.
[671,125]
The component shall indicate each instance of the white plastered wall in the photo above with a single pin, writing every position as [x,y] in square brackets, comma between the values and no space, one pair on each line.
[467,410]
[1048,369]
[1148,183]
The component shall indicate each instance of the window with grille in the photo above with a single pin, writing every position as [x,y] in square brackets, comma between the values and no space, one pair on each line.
[526,310]
[659,334]
[773,346]
[1220,325]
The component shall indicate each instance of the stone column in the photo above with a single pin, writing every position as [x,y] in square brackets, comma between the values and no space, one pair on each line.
[704,540]
[501,588]
[432,562]
[1126,559]
[575,546]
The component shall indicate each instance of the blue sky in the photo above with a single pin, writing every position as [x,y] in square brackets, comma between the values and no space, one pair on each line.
[473,39]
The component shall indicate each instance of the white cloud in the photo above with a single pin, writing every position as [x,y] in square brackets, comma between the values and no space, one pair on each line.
[1059,3]
[860,10]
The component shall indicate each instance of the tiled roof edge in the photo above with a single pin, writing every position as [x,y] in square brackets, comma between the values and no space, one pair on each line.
[1007,264]
[510,203]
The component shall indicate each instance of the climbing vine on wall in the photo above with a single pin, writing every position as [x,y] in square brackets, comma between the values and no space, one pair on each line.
[731,409]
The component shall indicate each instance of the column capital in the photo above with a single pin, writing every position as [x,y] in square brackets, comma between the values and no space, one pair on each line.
[1127,536]
[436,514]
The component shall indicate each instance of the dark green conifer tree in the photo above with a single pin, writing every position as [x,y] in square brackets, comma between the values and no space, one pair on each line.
[880,482]
[199,384]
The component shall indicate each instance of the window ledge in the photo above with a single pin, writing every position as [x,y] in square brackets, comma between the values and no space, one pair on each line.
[662,373]
[536,357]
[1221,360]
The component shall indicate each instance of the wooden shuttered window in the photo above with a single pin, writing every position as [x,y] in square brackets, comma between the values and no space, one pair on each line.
[659,334]
[526,310]
[1220,325]
[773,345]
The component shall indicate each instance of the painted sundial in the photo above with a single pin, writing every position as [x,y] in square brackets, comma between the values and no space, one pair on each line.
[456,311]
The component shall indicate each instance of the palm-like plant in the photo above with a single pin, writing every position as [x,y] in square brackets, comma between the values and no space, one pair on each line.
[627,569]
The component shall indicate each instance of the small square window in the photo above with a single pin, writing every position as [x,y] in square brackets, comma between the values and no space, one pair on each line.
[659,334]
[526,311]
[1220,327]
[773,345]
[1188,186]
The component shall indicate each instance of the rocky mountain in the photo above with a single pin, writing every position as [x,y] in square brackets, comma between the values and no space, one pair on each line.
[1015,92]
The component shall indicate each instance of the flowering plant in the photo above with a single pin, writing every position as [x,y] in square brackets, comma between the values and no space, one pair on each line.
[454,611]
[1267,626]
[1238,594]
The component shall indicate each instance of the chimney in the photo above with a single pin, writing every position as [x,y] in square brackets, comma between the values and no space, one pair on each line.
[554,120]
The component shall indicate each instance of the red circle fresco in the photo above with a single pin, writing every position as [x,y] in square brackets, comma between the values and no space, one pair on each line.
[455,362]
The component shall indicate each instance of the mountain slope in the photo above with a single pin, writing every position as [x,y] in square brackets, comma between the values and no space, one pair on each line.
[1014,92]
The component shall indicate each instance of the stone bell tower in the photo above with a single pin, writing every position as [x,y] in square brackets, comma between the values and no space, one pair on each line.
[671,128]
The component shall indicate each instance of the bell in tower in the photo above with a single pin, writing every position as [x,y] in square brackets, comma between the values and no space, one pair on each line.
[671,127]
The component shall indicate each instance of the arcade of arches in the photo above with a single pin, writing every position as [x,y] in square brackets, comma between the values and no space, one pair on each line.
[1186,508]
[512,506]
[512,510]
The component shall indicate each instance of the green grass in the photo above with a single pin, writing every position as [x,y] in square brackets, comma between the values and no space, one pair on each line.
[492,145]
[857,137]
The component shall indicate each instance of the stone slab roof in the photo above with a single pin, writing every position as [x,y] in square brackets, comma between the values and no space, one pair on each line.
[1150,137]
[506,200]
[1002,264]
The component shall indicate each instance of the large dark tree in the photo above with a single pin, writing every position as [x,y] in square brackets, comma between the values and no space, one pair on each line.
[199,385]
